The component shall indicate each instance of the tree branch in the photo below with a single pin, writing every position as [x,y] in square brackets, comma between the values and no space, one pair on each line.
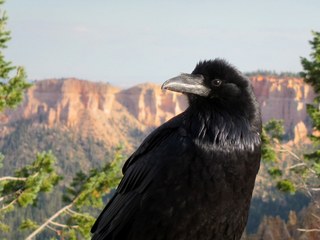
[308,230]
[45,224]
[18,192]
[63,225]
[297,165]
[74,212]
[7,206]
[317,217]
[12,178]
[54,216]
[284,149]
[53,229]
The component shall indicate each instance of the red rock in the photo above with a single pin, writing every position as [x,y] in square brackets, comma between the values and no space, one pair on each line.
[109,113]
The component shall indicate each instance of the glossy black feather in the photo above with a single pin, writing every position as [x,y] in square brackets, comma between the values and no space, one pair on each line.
[192,178]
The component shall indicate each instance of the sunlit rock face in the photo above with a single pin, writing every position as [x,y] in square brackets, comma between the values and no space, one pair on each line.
[285,98]
[111,114]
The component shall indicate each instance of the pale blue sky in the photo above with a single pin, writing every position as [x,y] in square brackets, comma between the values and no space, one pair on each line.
[129,42]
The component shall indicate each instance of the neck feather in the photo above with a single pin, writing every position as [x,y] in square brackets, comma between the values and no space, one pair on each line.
[219,128]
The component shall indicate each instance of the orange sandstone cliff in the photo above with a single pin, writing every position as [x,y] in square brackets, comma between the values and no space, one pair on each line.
[109,113]
[285,98]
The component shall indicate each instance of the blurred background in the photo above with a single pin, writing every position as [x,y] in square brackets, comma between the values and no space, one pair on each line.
[126,43]
[80,89]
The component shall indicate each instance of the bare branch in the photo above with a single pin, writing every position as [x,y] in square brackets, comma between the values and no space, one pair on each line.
[54,216]
[308,230]
[53,229]
[297,165]
[12,178]
[18,192]
[10,204]
[317,217]
[307,189]
[74,212]
[45,224]
[63,225]
[284,149]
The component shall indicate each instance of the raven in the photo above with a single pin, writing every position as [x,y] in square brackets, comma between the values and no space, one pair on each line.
[192,177]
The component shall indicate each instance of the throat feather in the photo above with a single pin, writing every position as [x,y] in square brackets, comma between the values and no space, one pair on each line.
[222,130]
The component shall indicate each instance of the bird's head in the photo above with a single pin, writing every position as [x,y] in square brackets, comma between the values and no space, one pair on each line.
[214,82]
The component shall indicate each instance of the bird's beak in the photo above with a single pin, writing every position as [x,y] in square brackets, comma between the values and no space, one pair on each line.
[187,83]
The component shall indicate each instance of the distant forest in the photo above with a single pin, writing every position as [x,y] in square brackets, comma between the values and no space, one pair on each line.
[272,73]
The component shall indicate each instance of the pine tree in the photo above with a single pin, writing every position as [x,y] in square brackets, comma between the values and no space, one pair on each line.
[305,168]
[272,134]
[23,188]
[13,81]
[84,195]
[311,75]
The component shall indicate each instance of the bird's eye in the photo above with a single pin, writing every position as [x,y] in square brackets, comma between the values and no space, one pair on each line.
[216,82]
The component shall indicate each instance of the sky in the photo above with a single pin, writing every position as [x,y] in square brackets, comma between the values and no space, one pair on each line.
[131,42]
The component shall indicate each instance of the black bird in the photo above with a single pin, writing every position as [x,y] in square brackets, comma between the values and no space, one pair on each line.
[192,178]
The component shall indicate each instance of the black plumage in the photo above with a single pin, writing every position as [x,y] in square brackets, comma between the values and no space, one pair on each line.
[192,178]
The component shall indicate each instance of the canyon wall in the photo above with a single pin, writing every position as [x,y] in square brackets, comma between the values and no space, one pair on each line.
[109,113]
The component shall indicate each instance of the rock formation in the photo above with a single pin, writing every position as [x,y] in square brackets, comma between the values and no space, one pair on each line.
[304,226]
[285,98]
[109,113]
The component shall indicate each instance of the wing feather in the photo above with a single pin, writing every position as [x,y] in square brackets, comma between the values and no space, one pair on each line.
[139,171]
